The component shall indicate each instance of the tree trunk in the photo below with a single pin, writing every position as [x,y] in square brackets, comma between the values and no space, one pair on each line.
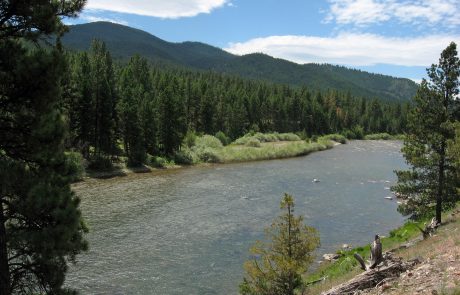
[439,196]
[4,269]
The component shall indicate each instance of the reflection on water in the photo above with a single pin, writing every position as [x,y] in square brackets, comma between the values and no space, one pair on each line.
[188,231]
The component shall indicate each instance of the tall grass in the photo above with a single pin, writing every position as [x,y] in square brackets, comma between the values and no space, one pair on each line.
[384,136]
[335,137]
[267,137]
[251,147]
[234,153]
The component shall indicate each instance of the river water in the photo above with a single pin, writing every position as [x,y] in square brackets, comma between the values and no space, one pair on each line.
[188,231]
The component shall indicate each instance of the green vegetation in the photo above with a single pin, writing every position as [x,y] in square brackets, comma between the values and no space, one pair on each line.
[280,261]
[431,180]
[209,149]
[384,136]
[267,137]
[41,228]
[133,110]
[124,42]
[335,137]
[347,266]
[346,263]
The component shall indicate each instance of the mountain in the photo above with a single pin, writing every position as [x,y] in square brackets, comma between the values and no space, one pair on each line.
[124,42]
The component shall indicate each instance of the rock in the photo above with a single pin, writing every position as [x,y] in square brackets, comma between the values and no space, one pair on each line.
[331,257]
[346,246]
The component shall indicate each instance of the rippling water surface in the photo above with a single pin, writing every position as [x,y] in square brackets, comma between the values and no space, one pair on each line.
[188,231]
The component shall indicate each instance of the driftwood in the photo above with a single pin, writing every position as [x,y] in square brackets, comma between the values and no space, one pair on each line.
[391,268]
[429,228]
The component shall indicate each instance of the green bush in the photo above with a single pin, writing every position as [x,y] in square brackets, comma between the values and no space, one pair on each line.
[253,142]
[100,163]
[209,155]
[183,157]
[157,162]
[287,137]
[208,141]
[378,136]
[335,137]
[189,139]
[358,131]
[224,139]
[267,137]
[75,165]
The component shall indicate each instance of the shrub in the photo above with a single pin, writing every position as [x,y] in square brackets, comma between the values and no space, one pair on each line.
[100,163]
[189,139]
[157,162]
[358,131]
[224,139]
[208,141]
[335,137]
[208,155]
[288,137]
[378,136]
[75,165]
[183,157]
[253,142]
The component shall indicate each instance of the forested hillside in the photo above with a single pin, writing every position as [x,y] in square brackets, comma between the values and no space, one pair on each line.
[124,42]
[136,109]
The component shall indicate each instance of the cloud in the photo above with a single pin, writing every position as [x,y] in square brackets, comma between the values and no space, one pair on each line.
[442,13]
[158,8]
[350,49]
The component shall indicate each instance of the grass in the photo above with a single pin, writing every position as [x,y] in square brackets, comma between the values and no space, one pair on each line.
[383,136]
[335,137]
[253,147]
[346,267]
[270,150]
[267,137]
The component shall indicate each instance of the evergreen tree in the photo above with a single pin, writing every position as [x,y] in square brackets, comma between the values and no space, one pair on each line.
[103,99]
[431,178]
[280,261]
[136,111]
[172,117]
[40,223]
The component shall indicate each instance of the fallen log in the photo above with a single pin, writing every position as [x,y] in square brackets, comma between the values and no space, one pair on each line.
[391,268]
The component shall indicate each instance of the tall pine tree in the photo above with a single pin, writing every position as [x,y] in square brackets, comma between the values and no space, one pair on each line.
[430,182]
[40,223]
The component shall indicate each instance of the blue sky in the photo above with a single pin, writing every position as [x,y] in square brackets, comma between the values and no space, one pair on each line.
[398,38]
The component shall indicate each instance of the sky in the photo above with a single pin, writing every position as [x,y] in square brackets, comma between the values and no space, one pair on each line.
[400,38]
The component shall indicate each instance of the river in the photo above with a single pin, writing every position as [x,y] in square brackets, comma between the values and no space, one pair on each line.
[188,231]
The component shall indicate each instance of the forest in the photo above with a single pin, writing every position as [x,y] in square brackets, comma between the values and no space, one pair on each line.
[134,109]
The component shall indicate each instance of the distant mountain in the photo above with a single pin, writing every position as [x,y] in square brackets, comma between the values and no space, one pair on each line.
[124,42]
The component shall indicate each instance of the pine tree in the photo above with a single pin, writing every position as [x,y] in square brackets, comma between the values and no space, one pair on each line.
[280,261]
[137,111]
[40,223]
[103,99]
[430,182]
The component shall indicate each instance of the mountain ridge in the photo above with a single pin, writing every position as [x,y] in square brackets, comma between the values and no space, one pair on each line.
[124,42]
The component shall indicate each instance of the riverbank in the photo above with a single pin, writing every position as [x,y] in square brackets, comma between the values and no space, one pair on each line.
[207,150]
[438,272]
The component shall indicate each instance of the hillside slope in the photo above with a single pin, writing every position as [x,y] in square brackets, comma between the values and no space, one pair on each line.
[124,42]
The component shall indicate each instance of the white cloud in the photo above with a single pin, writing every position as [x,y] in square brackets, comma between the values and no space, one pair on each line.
[349,49]
[158,8]
[443,13]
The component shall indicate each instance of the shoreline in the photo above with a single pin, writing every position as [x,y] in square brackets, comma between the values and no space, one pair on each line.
[123,171]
